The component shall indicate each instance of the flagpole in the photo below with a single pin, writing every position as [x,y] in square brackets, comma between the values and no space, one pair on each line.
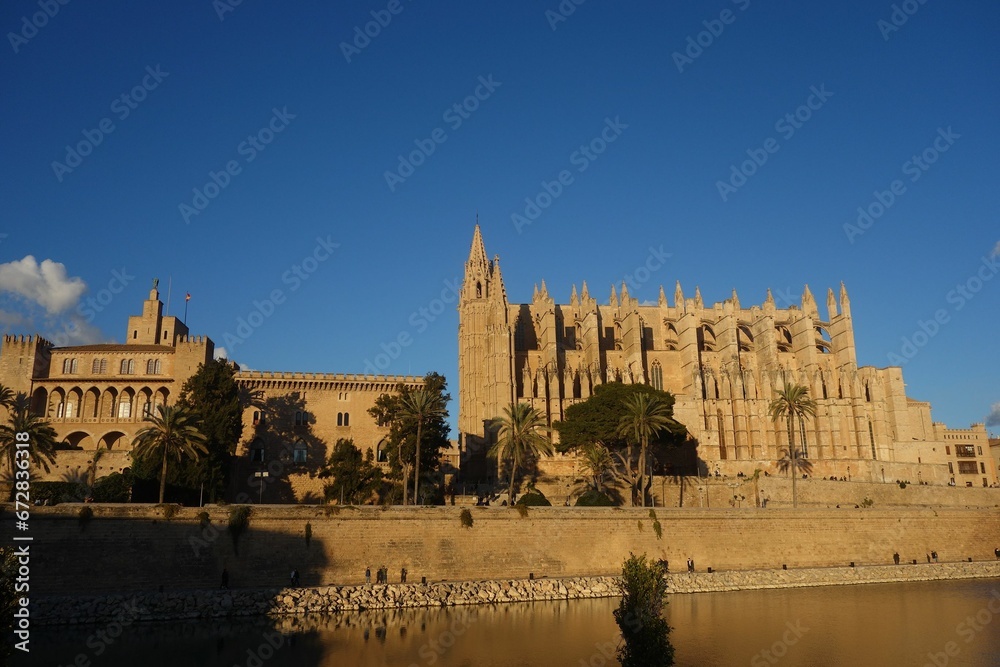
[170,280]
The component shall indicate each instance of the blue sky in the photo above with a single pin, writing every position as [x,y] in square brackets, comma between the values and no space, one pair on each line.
[300,120]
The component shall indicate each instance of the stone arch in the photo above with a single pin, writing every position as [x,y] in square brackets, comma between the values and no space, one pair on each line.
[783,338]
[824,344]
[745,338]
[144,403]
[112,438]
[109,397]
[161,396]
[126,405]
[670,339]
[706,339]
[79,439]
[74,399]
[39,401]
[91,403]
[57,403]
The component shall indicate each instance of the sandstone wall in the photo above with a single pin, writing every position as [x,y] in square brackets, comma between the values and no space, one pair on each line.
[128,548]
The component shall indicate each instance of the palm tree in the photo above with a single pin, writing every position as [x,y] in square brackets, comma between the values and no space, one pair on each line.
[172,433]
[597,461]
[6,396]
[40,434]
[646,417]
[421,405]
[793,403]
[519,438]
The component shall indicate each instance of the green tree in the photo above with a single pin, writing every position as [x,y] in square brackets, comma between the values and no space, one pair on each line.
[520,437]
[646,416]
[41,435]
[214,395]
[420,406]
[599,418]
[645,633]
[399,446]
[354,476]
[172,433]
[793,403]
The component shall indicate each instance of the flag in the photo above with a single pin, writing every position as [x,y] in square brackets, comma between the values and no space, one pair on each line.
[188,297]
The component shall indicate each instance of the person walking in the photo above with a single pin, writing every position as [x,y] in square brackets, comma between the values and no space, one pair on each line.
[895,557]
[368,574]
[690,565]
[402,576]
[295,578]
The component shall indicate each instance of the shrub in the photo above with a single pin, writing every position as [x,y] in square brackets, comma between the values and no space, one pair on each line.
[645,633]
[657,528]
[902,485]
[867,502]
[239,521]
[466,518]
[84,516]
[594,498]
[169,510]
[113,488]
[534,498]
[58,492]
[204,519]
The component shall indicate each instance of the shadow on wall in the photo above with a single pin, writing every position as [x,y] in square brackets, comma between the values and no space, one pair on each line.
[119,551]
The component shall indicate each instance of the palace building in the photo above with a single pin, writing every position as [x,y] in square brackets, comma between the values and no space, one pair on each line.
[97,396]
[722,362]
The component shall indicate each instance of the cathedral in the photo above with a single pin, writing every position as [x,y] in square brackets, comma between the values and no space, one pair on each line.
[722,362]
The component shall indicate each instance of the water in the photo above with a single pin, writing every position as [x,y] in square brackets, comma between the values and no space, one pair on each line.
[875,624]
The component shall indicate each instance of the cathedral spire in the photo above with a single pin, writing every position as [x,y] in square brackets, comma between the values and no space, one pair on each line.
[498,289]
[545,290]
[769,301]
[614,296]
[698,302]
[678,295]
[663,298]
[736,300]
[477,254]
[845,303]
[831,303]
[574,300]
[624,292]
[584,292]
[809,302]
[477,270]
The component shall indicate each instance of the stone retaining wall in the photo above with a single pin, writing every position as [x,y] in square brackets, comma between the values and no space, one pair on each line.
[276,602]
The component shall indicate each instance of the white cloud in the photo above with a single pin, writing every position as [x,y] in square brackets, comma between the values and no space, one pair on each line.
[72,330]
[45,284]
[221,353]
[996,250]
[993,419]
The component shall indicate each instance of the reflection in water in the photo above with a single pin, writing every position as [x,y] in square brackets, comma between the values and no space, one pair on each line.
[876,624]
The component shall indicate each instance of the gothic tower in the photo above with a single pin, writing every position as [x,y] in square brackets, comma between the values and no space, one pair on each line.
[485,343]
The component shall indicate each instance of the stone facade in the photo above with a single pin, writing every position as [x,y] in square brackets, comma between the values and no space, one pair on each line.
[722,362]
[97,396]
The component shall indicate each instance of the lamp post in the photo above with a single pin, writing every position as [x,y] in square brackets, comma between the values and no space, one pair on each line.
[261,475]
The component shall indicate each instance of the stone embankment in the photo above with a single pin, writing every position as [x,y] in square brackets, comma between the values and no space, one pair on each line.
[174,605]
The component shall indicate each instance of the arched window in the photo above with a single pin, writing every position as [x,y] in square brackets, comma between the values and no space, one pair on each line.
[706,338]
[783,338]
[299,453]
[99,366]
[670,337]
[127,367]
[153,367]
[656,375]
[69,366]
[340,419]
[258,417]
[347,419]
[479,290]
[299,418]
[745,338]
